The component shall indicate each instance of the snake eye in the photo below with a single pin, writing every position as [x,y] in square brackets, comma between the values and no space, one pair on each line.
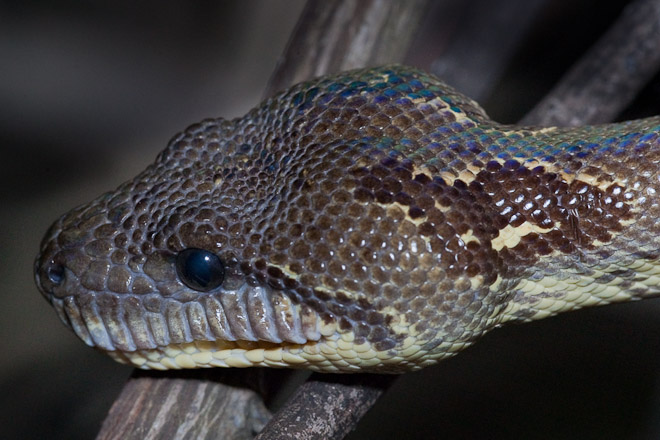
[55,273]
[199,269]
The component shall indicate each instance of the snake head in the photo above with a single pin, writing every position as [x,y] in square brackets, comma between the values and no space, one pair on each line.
[367,221]
[291,237]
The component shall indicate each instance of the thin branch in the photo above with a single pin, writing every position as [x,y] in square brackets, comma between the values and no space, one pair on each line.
[609,75]
[197,404]
[327,407]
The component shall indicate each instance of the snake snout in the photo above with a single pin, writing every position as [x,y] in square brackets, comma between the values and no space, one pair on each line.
[158,304]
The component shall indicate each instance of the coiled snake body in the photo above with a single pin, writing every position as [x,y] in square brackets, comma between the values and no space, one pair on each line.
[374,220]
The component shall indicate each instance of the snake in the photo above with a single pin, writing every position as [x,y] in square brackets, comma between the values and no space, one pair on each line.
[374,220]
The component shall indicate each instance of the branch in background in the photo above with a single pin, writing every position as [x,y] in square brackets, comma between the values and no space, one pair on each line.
[483,43]
[609,75]
[336,35]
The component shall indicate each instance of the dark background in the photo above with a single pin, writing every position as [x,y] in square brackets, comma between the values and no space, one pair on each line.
[91,92]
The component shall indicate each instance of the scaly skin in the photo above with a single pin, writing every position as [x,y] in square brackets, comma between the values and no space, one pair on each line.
[374,220]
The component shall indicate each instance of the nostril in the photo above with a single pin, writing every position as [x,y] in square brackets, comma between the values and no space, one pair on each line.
[55,273]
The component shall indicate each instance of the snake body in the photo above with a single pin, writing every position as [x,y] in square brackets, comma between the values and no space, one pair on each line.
[373,220]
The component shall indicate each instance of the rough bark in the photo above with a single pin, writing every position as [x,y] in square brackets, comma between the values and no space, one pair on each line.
[200,404]
[326,406]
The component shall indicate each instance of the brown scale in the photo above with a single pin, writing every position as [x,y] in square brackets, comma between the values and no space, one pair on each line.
[578,213]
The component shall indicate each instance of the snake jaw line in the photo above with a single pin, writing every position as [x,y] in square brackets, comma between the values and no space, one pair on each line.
[334,353]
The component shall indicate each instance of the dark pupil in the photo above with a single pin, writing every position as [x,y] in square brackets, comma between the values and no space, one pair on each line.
[199,269]
[55,273]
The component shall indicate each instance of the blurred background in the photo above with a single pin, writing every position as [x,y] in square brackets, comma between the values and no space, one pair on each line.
[90,92]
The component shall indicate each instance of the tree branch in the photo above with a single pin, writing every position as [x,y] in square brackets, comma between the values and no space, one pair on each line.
[198,404]
[609,76]
[327,407]
[336,35]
